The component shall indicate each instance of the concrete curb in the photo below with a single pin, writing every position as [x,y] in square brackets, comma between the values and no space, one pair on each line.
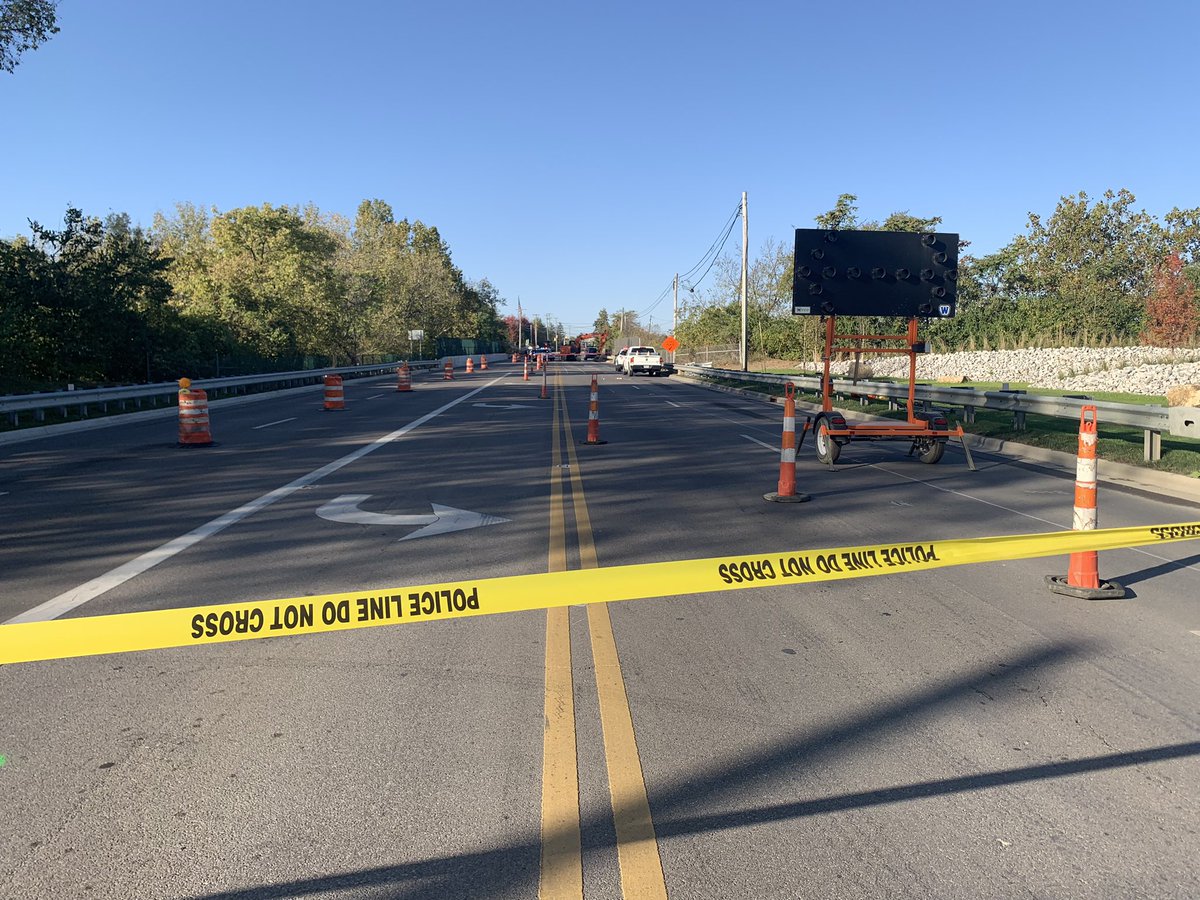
[1168,484]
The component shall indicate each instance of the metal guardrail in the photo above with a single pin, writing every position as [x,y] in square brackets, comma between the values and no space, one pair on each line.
[1153,420]
[166,393]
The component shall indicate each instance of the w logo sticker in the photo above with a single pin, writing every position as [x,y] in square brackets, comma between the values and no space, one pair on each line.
[944,309]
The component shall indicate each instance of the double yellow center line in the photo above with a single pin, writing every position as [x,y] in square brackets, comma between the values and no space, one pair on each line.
[637,847]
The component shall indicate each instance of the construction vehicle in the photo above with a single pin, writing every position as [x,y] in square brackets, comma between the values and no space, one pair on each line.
[598,338]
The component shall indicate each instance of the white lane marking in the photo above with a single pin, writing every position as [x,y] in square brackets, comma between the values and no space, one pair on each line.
[269,424]
[376,396]
[80,595]
[968,496]
[1019,513]
[1196,633]
[3,493]
[760,443]
[674,404]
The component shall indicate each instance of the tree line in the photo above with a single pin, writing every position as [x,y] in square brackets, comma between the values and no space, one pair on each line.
[1096,271]
[257,288]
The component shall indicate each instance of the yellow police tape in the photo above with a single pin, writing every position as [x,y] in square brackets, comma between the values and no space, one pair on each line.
[88,636]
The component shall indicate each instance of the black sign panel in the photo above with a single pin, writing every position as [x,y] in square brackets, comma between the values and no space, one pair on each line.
[875,273]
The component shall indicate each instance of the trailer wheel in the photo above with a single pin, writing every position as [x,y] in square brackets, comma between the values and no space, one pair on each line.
[930,451]
[827,448]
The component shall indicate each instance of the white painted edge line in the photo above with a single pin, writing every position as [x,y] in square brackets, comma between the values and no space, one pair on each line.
[761,443]
[1196,633]
[376,396]
[80,595]
[677,406]
[269,424]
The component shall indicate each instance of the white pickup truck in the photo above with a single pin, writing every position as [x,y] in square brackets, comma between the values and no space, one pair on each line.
[642,359]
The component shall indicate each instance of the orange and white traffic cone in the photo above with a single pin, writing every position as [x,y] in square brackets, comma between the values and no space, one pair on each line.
[404,378]
[514,359]
[335,398]
[448,371]
[593,434]
[1083,576]
[470,365]
[526,378]
[787,456]
[545,393]
[482,363]
[193,416]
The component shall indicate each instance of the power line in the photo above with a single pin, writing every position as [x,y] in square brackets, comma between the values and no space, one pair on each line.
[710,257]
[714,249]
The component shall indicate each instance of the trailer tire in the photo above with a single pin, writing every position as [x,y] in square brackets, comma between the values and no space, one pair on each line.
[827,448]
[932,452]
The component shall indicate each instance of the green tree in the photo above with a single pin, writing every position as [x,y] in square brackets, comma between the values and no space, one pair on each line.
[84,303]
[274,280]
[1089,266]
[843,215]
[601,324]
[24,24]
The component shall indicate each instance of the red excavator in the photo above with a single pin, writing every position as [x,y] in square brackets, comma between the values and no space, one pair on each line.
[597,338]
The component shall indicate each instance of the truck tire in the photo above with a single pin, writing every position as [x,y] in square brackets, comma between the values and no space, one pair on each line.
[828,449]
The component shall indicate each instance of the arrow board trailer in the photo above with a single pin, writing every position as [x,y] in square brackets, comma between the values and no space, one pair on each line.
[898,274]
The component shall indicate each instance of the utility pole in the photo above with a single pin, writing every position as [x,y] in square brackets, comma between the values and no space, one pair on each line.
[745,255]
[520,324]
[675,313]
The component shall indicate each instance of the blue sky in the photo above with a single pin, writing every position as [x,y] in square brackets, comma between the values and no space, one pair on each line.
[578,155]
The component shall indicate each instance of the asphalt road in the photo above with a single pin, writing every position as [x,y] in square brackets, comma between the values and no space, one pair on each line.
[954,733]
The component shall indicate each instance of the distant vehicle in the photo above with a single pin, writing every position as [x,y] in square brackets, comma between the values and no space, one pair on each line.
[591,353]
[619,359]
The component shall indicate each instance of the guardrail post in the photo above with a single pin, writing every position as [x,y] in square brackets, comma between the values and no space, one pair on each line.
[969,415]
[1151,445]
[1018,420]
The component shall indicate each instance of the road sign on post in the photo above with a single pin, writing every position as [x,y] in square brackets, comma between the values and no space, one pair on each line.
[875,273]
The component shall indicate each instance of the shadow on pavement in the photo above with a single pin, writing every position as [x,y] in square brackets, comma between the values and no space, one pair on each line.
[514,867]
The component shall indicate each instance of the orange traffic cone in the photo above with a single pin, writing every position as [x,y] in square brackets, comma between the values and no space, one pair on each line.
[448,371]
[787,456]
[470,365]
[404,378]
[193,416]
[1083,576]
[545,393]
[482,363]
[526,378]
[334,396]
[593,433]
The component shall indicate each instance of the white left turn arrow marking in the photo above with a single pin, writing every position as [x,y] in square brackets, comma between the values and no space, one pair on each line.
[502,405]
[444,518]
